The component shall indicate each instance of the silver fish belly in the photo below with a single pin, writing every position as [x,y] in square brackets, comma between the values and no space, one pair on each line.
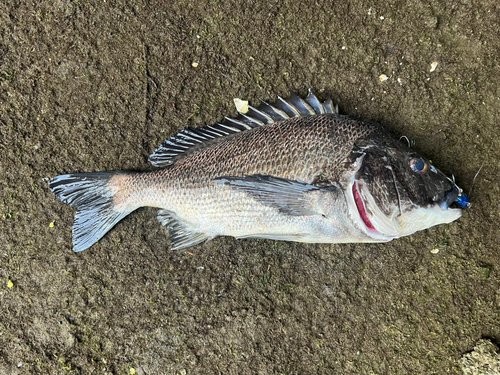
[295,170]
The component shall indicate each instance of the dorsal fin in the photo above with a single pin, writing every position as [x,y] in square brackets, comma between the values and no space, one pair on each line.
[266,113]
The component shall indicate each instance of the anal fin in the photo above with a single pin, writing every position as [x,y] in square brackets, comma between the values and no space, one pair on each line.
[181,235]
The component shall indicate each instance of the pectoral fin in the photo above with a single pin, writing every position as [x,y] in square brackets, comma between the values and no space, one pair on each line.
[288,196]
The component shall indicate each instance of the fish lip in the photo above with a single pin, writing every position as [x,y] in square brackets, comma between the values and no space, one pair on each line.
[450,196]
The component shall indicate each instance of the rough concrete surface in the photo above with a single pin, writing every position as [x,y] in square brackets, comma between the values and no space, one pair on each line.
[97,85]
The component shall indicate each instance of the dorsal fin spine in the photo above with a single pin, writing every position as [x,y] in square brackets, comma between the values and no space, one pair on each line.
[313,101]
[217,132]
[189,136]
[264,115]
[299,103]
[229,127]
[252,120]
[187,140]
[280,115]
[247,127]
[289,106]
[178,144]
[328,105]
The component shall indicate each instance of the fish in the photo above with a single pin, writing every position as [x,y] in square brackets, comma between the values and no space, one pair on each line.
[294,170]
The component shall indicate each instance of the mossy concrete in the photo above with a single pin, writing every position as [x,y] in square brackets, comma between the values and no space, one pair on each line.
[97,85]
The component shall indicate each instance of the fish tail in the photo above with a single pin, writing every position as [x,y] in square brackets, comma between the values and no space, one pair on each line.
[100,203]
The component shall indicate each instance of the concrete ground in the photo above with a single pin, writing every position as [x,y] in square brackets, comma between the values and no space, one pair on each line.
[97,85]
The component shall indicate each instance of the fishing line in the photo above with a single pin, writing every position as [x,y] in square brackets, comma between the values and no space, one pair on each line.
[474,179]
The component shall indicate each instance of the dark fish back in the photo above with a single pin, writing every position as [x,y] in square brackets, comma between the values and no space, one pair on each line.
[307,149]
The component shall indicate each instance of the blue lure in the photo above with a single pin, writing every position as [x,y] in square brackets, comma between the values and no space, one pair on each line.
[463,201]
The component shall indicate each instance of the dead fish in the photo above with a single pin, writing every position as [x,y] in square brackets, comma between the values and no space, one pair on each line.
[294,170]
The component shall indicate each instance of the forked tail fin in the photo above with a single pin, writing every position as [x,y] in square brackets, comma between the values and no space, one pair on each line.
[93,194]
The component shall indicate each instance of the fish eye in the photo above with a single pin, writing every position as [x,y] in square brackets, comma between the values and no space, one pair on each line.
[419,165]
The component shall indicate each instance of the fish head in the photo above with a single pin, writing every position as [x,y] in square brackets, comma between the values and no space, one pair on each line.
[396,191]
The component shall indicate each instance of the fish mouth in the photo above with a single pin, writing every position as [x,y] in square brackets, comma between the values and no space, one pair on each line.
[450,197]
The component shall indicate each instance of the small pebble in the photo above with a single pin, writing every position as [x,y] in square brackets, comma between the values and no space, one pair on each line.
[383,78]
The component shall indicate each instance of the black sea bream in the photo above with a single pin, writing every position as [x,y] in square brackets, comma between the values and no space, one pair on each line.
[295,170]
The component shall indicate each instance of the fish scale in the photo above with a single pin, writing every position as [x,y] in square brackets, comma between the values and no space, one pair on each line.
[317,141]
[293,170]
